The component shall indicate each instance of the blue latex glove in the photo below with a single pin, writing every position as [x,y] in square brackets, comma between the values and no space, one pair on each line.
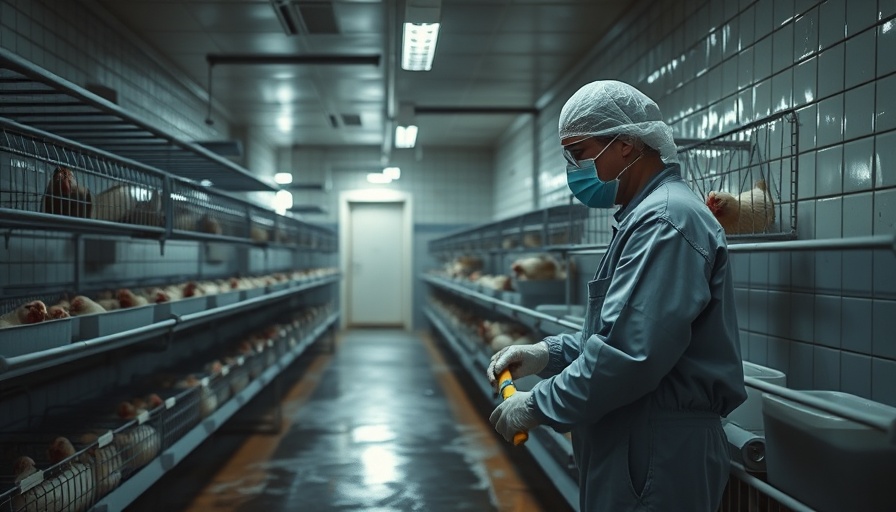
[516,414]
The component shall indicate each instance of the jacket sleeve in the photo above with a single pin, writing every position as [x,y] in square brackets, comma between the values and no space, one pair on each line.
[562,350]
[658,289]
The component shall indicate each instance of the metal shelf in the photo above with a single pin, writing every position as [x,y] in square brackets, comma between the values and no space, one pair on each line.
[130,489]
[538,440]
[529,317]
[22,365]
[104,193]
[532,231]
[36,97]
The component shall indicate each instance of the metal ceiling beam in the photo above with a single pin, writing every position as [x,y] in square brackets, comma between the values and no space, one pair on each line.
[216,59]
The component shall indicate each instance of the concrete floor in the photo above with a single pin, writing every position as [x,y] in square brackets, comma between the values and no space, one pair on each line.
[382,424]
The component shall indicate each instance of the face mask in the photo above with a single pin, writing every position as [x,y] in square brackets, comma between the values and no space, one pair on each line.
[588,188]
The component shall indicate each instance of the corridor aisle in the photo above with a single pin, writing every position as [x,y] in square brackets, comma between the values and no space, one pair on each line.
[380,425]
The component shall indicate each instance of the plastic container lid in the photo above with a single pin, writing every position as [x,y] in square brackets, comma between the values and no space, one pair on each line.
[815,418]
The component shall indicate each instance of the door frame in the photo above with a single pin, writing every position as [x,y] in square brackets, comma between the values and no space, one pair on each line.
[346,198]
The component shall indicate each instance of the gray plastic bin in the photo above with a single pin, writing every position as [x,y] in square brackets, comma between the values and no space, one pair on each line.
[26,339]
[113,322]
[223,299]
[826,461]
[180,307]
[748,415]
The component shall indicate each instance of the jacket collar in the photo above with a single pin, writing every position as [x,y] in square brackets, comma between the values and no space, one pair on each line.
[669,173]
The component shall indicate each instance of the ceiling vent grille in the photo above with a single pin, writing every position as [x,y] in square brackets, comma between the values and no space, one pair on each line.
[351,119]
[306,16]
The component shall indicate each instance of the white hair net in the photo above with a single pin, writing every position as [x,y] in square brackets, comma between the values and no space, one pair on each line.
[609,108]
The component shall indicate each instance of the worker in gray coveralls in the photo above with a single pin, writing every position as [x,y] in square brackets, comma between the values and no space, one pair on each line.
[644,385]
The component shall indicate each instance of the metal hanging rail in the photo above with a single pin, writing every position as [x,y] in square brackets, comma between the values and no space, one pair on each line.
[36,97]
[825,244]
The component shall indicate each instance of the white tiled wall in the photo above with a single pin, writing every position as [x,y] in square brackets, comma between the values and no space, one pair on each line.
[825,318]
[448,185]
[69,40]
[513,175]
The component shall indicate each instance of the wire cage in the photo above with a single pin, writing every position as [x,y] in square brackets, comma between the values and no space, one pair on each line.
[84,451]
[43,174]
[555,225]
[39,476]
[198,209]
[320,238]
[181,413]
[748,176]
[262,226]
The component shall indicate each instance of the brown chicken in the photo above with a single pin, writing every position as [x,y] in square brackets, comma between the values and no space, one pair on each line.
[30,313]
[752,211]
[129,299]
[57,312]
[537,268]
[64,197]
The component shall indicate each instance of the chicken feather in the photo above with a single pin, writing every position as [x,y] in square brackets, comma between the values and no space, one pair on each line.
[753,211]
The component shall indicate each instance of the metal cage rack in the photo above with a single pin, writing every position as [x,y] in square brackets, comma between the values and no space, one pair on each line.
[553,226]
[748,176]
[47,182]
[33,96]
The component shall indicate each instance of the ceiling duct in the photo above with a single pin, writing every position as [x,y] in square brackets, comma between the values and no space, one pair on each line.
[306,16]
[351,119]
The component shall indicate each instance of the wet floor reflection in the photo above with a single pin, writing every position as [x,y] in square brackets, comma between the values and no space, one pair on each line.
[376,434]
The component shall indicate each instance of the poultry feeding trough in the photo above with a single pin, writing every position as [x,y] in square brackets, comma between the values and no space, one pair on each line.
[748,176]
[26,326]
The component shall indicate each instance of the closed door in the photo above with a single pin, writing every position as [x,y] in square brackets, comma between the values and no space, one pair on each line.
[375,275]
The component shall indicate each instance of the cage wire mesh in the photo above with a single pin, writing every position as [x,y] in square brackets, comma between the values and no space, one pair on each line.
[597,227]
[198,209]
[748,176]
[58,464]
[45,176]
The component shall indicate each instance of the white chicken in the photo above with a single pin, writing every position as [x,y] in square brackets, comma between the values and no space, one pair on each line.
[106,463]
[752,211]
[57,312]
[69,489]
[130,204]
[82,305]
[109,304]
[138,445]
[208,401]
[30,313]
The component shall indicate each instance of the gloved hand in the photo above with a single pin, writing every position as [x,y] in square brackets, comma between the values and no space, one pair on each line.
[516,414]
[522,360]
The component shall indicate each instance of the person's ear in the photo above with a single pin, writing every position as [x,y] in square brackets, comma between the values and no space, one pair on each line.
[626,148]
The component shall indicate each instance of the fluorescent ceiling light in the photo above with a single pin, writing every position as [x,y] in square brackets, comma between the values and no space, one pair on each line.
[376,177]
[419,46]
[284,122]
[282,201]
[405,136]
[392,172]
[283,178]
